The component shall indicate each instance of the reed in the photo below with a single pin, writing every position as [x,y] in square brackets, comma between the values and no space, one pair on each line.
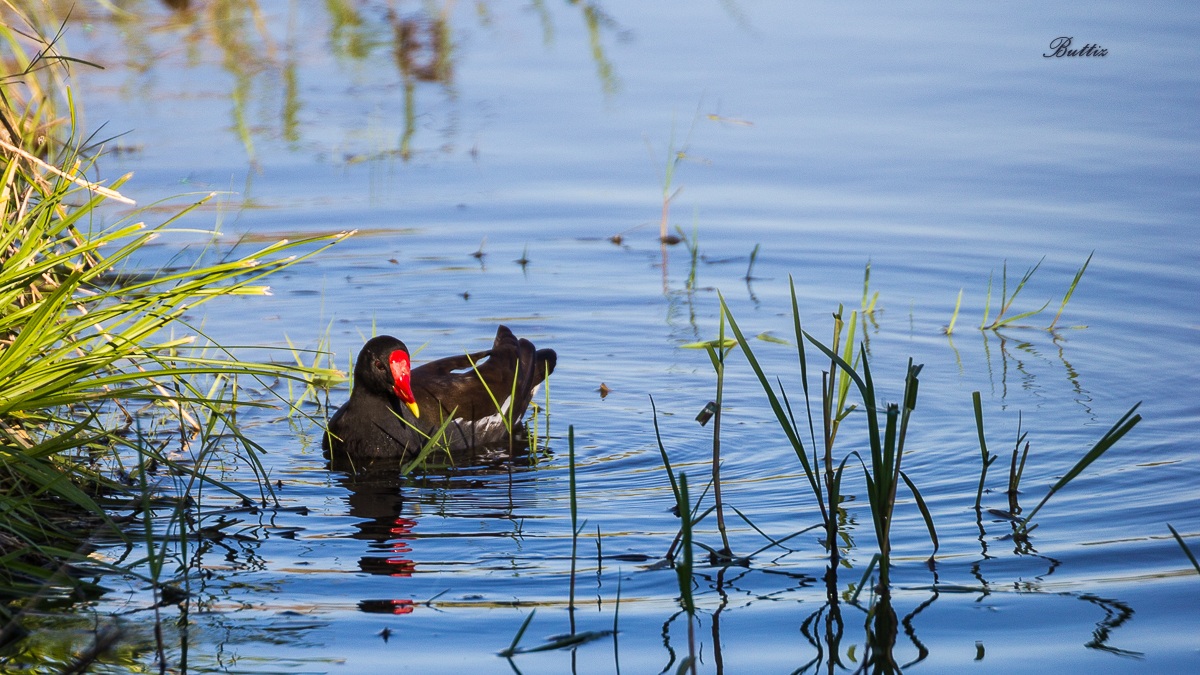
[669,192]
[780,405]
[750,266]
[93,351]
[506,416]
[575,526]
[1110,438]
[869,300]
[683,572]
[326,373]
[954,317]
[692,244]
[573,638]
[513,648]
[434,442]
[717,350]
[1016,468]
[987,459]
[1186,551]
[1002,319]
[884,472]
[1070,291]
[1020,455]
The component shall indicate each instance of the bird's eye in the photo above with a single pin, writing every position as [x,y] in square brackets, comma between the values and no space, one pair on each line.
[379,365]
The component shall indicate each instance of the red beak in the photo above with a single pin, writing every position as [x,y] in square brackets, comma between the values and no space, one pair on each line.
[401,380]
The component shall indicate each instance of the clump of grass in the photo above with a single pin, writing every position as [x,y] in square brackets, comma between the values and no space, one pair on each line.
[1006,300]
[1110,438]
[1017,467]
[1002,319]
[83,358]
[99,369]
[886,441]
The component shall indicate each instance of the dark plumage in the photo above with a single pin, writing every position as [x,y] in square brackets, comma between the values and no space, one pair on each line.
[374,424]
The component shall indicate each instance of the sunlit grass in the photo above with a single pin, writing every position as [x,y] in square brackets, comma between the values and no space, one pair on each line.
[882,469]
[105,385]
[717,350]
[1003,319]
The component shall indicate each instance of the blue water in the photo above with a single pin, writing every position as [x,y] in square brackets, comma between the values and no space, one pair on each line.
[934,142]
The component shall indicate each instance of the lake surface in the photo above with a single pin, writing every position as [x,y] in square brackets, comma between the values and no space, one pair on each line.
[935,143]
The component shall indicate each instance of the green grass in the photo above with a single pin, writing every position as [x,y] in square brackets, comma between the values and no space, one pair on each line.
[683,572]
[1005,320]
[717,350]
[1110,438]
[882,470]
[103,379]
[987,458]
[1186,551]
[1019,457]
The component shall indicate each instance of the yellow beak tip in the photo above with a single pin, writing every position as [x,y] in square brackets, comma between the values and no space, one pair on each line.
[413,407]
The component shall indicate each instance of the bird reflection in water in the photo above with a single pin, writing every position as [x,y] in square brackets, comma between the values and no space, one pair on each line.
[377,500]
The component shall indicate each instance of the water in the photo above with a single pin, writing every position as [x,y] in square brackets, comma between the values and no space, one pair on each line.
[935,143]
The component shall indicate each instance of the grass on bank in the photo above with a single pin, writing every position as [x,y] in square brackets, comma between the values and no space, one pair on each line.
[105,387]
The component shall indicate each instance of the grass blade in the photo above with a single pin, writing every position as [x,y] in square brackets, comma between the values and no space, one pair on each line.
[954,316]
[512,648]
[924,508]
[987,458]
[1071,291]
[776,407]
[1122,427]
[1186,551]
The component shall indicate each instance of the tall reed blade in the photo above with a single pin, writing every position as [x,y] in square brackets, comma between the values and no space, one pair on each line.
[954,316]
[1186,551]
[1071,291]
[683,573]
[574,515]
[1118,430]
[987,458]
[781,413]
[803,360]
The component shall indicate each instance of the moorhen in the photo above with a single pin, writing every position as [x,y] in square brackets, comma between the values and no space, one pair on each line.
[479,392]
